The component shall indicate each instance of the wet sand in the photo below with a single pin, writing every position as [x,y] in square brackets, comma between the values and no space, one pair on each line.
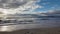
[55,30]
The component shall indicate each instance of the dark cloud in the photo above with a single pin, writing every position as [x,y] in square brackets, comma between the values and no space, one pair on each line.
[11,3]
[18,6]
[54,12]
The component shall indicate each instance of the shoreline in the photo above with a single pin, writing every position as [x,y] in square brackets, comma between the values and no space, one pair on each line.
[55,30]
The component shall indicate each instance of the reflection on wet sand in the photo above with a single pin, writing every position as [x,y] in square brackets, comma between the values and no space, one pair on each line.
[13,27]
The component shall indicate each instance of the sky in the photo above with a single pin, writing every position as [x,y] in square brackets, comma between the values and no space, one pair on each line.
[49,5]
[28,6]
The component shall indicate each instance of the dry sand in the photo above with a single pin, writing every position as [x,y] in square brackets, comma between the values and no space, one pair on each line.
[36,31]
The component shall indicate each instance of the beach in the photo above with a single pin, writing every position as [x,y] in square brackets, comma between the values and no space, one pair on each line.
[44,27]
[55,30]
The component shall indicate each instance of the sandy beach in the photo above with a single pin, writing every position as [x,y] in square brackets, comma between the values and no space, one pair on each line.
[55,30]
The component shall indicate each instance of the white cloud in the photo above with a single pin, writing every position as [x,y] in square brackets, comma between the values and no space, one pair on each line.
[45,3]
[19,6]
[29,6]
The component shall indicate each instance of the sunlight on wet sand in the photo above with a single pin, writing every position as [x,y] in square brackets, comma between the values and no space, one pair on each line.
[35,31]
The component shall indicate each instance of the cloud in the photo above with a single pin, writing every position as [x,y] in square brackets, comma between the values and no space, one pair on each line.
[49,13]
[11,3]
[29,6]
[54,11]
[18,6]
